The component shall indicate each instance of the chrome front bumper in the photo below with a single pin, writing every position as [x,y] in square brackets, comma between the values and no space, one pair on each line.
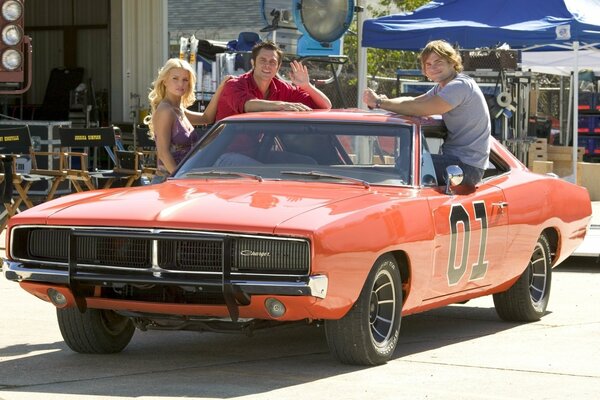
[315,285]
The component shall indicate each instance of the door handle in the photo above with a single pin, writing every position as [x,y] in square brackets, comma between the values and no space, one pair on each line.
[500,204]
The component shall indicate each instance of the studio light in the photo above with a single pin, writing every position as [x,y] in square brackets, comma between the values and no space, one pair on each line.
[325,21]
[308,27]
[11,41]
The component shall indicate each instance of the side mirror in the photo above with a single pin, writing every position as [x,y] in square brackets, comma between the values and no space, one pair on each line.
[454,177]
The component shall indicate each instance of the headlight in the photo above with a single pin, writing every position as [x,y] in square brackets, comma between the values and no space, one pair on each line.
[12,10]
[11,59]
[12,35]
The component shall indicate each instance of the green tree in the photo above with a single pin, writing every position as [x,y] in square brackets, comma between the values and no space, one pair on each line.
[381,62]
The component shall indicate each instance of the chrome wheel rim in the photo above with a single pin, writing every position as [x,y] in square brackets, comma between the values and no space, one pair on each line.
[538,275]
[382,309]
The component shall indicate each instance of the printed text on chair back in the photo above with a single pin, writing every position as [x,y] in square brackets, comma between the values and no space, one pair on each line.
[86,137]
[15,140]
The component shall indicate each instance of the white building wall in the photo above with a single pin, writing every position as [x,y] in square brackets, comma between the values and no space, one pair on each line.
[138,49]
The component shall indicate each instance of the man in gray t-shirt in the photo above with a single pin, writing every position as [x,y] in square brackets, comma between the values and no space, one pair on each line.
[462,106]
[468,122]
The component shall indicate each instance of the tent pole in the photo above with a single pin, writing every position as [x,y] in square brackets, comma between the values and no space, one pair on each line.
[575,107]
[563,125]
[362,55]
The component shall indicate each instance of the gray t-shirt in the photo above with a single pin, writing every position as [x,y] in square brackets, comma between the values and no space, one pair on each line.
[468,122]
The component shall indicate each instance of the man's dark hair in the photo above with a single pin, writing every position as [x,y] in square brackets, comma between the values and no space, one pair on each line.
[267,45]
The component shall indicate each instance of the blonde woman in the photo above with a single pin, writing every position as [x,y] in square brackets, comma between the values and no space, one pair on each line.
[171,123]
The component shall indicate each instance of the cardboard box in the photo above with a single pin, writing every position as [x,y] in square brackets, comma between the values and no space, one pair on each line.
[563,168]
[535,157]
[542,167]
[538,151]
[540,145]
[564,153]
[587,176]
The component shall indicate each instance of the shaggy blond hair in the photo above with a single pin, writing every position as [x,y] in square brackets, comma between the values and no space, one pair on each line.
[444,50]
[158,92]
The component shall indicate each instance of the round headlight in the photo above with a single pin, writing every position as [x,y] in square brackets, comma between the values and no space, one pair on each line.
[12,10]
[11,35]
[11,59]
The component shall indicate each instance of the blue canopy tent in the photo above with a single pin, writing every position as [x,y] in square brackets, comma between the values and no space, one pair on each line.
[531,25]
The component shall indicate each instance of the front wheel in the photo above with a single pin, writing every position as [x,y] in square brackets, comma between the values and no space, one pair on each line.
[527,299]
[368,333]
[94,331]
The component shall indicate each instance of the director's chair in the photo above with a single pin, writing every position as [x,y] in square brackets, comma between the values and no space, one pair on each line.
[147,147]
[76,163]
[16,144]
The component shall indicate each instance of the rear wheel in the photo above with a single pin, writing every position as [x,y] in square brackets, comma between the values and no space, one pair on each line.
[368,333]
[527,299]
[94,331]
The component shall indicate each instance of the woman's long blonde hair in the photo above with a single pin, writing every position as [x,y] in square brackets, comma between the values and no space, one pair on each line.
[158,92]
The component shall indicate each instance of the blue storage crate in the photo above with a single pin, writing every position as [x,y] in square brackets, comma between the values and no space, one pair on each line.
[595,124]
[584,124]
[587,101]
[590,143]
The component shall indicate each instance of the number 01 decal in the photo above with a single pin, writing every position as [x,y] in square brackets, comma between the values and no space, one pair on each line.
[460,217]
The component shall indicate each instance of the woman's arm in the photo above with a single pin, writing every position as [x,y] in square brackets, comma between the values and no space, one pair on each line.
[162,120]
[208,116]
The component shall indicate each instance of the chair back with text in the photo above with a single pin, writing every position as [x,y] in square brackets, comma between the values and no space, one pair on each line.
[87,137]
[15,141]
[16,145]
[90,142]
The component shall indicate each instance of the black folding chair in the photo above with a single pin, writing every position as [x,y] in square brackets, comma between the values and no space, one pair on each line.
[126,164]
[15,145]
[147,147]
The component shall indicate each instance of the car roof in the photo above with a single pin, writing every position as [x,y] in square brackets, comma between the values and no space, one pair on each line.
[345,115]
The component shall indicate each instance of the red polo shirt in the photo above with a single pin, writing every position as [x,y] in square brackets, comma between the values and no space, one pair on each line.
[239,90]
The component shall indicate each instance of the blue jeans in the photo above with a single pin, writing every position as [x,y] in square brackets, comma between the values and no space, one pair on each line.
[472,175]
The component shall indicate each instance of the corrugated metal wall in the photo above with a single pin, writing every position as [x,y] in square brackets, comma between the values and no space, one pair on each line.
[45,22]
[120,44]
[144,51]
[48,53]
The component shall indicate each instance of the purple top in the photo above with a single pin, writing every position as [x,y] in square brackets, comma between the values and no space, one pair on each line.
[183,135]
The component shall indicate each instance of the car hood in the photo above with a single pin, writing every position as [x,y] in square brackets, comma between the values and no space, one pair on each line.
[224,205]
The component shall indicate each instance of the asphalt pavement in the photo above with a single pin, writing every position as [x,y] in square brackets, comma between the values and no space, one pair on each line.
[456,352]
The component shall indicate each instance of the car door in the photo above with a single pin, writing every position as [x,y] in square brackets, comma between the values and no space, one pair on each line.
[470,240]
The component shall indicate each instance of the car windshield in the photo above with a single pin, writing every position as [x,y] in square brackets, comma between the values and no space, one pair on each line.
[332,151]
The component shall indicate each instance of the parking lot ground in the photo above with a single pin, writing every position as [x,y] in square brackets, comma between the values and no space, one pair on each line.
[457,352]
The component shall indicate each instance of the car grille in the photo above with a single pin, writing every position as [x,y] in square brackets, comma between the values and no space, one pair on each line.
[174,251]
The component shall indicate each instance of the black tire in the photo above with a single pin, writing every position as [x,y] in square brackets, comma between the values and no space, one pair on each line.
[94,331]
[368,333]
[527,299]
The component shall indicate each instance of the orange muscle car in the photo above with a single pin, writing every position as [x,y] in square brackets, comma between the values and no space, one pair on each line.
[334,217]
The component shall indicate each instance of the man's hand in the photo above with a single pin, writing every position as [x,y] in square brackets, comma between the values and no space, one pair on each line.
[286,106]
[369,97]
[299,74]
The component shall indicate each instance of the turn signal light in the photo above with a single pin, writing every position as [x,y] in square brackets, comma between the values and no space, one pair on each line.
[57,298]
[274,307]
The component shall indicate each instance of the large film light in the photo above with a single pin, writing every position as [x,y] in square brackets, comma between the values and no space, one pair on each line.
[325,20]
[12,47]
[308,27]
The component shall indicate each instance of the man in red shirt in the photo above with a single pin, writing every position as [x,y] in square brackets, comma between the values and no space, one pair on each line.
[261,90]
